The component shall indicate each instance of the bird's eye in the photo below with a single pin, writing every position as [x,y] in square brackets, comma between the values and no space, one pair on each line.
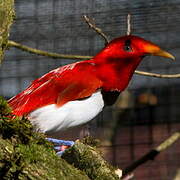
[127,45]
[128,48]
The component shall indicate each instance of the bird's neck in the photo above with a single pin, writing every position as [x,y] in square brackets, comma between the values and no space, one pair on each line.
[115,73]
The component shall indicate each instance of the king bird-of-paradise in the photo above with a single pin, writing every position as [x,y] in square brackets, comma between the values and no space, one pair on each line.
[74,94]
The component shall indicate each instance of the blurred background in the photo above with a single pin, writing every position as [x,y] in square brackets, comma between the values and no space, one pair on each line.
[145,114]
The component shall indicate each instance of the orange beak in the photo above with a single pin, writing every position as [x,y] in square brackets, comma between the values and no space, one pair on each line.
[155,50]
[163,53]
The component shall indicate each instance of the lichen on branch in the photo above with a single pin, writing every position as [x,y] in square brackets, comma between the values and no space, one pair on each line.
[7,15]
[89,160]
[25,154]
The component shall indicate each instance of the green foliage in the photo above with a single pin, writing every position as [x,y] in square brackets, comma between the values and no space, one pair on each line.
[25,154]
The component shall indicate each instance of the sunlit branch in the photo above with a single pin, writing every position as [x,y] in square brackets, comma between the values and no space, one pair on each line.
[152,154]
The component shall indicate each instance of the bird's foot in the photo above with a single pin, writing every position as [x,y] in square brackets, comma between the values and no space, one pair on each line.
[60,145]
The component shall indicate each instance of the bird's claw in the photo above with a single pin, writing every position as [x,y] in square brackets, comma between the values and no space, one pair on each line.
[60,145]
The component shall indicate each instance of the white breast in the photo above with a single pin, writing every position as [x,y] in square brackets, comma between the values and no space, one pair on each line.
[50,119]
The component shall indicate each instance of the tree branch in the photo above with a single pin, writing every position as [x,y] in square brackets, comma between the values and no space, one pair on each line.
[79,57]
[45,53]
[152,154]
[128,24]
[103,35]
[143,73]
[90,161]
[96,29]
[177,177]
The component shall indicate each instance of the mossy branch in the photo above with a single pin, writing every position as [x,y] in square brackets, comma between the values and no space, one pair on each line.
[89,160]
[25,154]
[6,19]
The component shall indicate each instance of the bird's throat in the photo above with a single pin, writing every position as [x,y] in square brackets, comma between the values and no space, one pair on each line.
[116,75]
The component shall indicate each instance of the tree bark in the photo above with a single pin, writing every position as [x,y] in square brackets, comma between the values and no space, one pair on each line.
[7,15]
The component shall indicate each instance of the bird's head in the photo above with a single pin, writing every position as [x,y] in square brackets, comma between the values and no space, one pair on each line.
[121,57]
[132,48]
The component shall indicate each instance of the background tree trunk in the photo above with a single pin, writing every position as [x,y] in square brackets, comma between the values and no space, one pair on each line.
[7,15]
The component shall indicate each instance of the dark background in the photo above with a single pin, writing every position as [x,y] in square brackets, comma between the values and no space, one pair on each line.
[148,112]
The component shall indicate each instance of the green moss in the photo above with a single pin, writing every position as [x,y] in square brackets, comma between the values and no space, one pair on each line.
[4,108]
[25,154]
[7,15]
[89,160]
[33,161]
[89,140]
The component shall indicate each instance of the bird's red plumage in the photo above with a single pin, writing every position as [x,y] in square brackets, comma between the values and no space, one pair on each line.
[67,83]
[111,70]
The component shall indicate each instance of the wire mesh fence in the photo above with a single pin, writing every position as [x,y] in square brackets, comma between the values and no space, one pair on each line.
[153,113]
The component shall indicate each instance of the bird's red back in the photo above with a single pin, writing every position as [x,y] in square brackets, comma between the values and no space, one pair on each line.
[111,70]
[67,83]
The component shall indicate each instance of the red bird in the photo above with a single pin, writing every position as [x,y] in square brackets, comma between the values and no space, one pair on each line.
[74,94]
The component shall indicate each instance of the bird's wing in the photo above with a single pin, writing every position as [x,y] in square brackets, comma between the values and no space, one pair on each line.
[67,83]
